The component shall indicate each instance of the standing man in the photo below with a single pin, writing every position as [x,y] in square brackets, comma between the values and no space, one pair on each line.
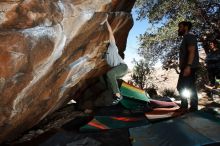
[213,63]
[188,64]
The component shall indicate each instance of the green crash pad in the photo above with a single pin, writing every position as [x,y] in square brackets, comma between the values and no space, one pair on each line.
[134,97]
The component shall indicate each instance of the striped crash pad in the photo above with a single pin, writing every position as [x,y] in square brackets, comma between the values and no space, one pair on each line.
[113,122]
[129,90]
[132,92]
[158,114]
[162,104]
[162,110]
[192,129]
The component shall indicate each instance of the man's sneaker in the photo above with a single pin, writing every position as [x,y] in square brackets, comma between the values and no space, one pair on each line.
[116,100]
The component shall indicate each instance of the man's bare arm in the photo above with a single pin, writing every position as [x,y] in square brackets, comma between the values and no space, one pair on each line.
[111,35]
[187,70]
[191,50]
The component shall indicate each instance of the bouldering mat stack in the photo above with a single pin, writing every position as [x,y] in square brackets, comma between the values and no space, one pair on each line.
[162,110]
[136,99]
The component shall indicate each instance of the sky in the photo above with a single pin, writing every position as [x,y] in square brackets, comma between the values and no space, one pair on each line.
[139,27]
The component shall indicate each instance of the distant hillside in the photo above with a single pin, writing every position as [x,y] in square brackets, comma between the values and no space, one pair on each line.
[164,79]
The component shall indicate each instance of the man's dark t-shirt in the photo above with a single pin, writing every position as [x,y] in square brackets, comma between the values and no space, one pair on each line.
[188,40]
[213,59]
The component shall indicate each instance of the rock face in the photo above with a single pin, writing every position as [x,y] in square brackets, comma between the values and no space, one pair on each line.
[49,51]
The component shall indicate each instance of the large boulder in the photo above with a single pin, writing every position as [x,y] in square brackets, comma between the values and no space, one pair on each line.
[49,51]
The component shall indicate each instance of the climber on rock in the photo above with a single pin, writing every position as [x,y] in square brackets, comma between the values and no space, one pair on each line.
[118,67]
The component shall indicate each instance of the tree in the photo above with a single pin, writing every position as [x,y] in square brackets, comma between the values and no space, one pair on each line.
[163,42]
[140,72]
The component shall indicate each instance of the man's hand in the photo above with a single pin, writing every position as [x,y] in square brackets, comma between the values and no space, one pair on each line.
[187,71]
